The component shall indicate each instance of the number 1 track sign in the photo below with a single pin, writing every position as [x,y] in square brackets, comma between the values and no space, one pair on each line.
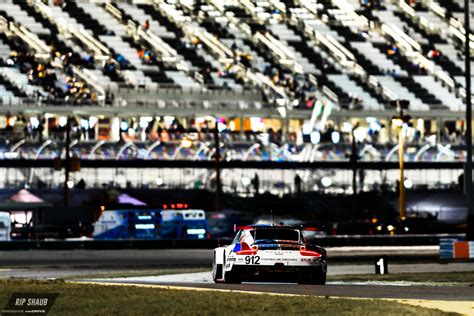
[381,265]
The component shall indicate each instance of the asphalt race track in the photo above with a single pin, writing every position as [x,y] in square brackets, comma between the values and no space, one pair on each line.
[107,258]
[340,289]
[445,293]
[57,272]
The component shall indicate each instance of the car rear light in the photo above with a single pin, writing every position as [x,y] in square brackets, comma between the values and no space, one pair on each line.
[309,253]
[237,227]
[247,251]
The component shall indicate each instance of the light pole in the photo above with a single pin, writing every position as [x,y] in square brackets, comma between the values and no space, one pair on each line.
[468,169]
[401,121]
[401,159]
[67,167]
[217,167]
[354,158]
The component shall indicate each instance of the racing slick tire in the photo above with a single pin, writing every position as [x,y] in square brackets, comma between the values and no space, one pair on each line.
[317,277]
[232,278]
[217,275]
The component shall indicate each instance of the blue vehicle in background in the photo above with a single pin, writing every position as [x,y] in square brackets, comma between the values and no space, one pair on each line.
[151,224]
[184,224]
[127,224]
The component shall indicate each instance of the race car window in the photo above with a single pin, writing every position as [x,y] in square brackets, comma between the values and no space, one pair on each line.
[263,235]
[243,236]
[237,237]
[246,237]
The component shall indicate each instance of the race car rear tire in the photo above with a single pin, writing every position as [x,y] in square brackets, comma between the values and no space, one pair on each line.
[232,278]
[317,276]
[218,273]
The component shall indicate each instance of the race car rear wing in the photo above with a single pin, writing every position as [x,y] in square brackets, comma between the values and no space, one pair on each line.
[252,227]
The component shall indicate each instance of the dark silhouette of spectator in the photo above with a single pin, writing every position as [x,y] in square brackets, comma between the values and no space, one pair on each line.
[361,179]
[81,184]
[256,184]
[461,182]
[297,184]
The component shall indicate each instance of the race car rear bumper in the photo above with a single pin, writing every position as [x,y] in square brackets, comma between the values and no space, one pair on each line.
[277,272]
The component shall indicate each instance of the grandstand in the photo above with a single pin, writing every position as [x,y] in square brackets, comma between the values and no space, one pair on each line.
[359,56]
[290,80]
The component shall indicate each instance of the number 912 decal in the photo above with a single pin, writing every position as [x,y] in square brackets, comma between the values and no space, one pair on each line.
[252,260]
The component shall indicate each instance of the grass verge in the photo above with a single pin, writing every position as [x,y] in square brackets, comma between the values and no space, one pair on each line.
[89,299]
[454,278]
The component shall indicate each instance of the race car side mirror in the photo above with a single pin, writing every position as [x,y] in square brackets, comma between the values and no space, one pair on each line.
[222,242]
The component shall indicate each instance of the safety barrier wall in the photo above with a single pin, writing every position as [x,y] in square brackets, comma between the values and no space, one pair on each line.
[456,248]
[326,241]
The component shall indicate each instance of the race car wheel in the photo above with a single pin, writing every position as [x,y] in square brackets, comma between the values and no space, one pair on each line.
[232,278]
[316,276]
[319,278]
[218,272]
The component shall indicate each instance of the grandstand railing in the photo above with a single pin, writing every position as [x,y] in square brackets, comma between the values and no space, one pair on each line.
[210,164]
[236,176]
[207,92]
[222,103]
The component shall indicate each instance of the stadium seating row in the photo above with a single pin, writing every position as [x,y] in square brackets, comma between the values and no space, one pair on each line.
[359,55]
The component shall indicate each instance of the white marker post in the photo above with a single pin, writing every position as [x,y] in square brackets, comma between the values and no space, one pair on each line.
[381,265]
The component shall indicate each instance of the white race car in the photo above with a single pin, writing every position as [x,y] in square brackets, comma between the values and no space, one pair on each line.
[268,253]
